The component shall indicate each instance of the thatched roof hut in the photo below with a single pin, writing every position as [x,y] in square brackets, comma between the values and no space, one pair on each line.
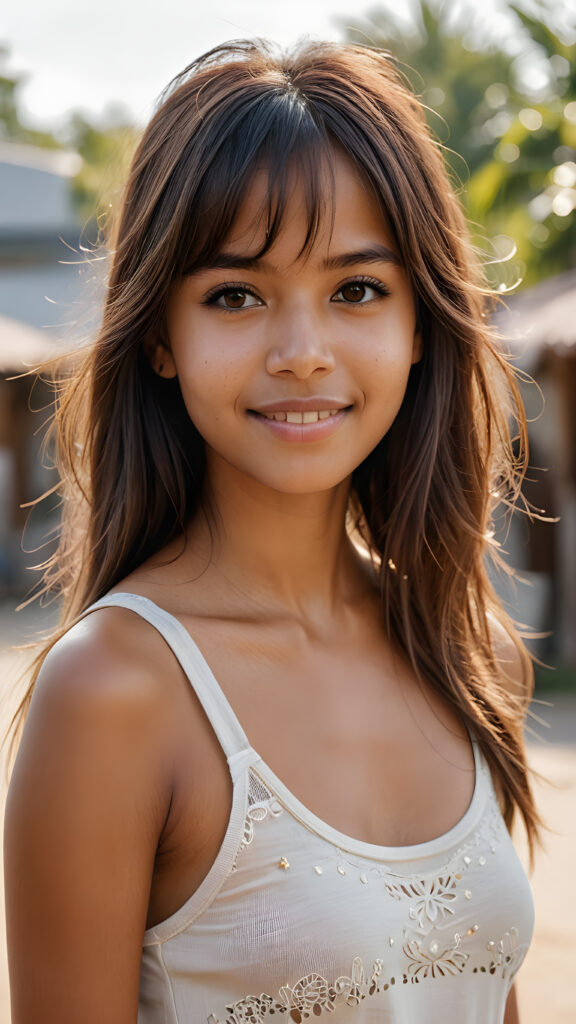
[540,325]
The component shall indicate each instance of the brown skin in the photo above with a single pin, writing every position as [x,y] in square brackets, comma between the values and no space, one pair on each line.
[133,778]
[121,794]
[512,1015]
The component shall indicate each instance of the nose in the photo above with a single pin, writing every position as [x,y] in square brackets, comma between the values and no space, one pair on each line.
[301,345]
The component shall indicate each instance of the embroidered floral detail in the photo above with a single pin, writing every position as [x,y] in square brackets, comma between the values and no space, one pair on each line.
[311,996]
[431,898]
[261,803]
[507,958]
[483,839]
[253,814]
[509,954]
[351,990]
[250,1010]
[433,961]
[376,973]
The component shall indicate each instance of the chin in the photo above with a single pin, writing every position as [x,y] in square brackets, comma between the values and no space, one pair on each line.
[303,483]
[281,475]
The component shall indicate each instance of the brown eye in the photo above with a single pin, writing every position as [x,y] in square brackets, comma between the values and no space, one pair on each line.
[234,300]
[353,292]
[360,291]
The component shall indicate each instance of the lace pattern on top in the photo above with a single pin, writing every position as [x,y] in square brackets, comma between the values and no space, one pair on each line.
[261,803]
[432,901]
[313,995]
[310,996]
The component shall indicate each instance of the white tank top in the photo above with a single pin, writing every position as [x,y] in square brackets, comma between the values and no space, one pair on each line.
[296,921]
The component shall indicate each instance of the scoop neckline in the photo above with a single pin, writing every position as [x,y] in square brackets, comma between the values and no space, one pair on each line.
[360,847]
[297,808]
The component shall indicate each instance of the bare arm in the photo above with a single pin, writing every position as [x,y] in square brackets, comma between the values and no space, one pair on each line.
[511,1015]
[87,802]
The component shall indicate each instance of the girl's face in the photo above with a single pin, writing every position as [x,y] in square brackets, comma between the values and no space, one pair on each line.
[294,367]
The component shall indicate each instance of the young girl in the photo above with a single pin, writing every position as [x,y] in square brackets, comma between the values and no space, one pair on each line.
[271,758]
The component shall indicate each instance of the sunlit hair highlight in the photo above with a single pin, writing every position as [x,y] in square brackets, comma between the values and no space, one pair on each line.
[131,461]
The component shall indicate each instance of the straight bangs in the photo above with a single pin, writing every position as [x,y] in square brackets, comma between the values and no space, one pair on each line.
[274,134]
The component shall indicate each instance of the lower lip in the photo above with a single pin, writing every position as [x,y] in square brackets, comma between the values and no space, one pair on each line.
[302,433]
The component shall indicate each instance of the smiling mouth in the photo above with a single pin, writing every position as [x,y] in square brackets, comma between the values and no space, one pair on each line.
[311,416]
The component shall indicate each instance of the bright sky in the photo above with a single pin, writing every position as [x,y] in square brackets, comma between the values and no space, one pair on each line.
[87,54]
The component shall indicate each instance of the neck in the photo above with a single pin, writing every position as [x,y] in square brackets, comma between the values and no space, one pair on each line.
[290,552]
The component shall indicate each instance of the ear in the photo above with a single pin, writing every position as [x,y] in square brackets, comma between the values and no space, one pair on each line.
[417,346]
[160,357]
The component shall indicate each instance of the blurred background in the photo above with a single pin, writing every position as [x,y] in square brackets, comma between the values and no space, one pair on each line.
[498,80]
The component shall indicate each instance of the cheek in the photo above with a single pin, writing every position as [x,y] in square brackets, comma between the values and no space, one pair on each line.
[210,384]
[390,361]
[206,361]
[389,339]
[386,377]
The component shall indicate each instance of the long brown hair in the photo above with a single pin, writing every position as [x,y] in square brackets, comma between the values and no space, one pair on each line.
[131,461]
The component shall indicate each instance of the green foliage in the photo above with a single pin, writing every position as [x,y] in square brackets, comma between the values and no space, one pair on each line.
[559,679]
[11,127]
[9,122]
[106,150]
[105,146]
[510,140]
[450,78]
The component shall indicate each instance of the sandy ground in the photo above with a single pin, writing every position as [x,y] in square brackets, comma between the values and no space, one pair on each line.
[547,981]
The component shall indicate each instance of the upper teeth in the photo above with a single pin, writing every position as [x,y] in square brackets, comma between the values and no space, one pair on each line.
[301,417]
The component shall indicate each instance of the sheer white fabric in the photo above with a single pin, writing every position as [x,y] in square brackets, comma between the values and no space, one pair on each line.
[296,921]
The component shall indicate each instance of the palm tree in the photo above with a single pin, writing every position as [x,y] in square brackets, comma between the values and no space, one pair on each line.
[512,150]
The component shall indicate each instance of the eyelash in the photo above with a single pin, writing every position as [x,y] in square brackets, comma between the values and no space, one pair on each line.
[370,282]
[211,297]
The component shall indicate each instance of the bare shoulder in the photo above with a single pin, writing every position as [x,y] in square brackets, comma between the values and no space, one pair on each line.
[514,663]
[106,690]
[89,797]
[103,690]
[112,649]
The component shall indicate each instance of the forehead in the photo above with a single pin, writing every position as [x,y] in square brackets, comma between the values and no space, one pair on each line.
[340,208]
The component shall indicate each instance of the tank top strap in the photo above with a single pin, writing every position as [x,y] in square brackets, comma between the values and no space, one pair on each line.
[222,718]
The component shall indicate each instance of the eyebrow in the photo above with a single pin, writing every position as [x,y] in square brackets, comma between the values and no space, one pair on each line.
[373,254]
